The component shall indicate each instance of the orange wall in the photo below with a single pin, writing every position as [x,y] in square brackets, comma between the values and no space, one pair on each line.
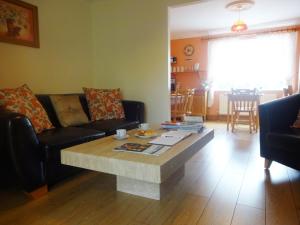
[190,79]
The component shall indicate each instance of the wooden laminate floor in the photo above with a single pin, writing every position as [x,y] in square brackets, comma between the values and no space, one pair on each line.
[224,184]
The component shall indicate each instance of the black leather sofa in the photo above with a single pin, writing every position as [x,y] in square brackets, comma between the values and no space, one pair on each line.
[278,140]
[33,160]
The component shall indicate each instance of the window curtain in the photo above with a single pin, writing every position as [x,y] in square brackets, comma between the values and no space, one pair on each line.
[266,62]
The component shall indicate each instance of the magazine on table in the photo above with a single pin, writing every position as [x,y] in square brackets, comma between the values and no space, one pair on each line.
[148,149]
[195,126]
[171,137]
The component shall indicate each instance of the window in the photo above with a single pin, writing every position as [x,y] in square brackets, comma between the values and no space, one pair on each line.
[263,61]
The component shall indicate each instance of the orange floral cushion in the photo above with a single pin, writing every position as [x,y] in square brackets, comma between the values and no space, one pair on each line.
[22,100]
[104,103]
[95,102]
[113,104]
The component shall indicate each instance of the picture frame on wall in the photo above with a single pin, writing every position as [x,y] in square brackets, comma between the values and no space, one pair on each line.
[19,23]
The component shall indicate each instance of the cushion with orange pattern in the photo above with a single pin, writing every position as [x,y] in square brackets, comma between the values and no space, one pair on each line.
[22,100]
[104,103]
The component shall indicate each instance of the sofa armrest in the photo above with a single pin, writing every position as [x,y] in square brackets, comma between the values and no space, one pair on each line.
[21,145]
[280,114]
[275,116]
[134,110]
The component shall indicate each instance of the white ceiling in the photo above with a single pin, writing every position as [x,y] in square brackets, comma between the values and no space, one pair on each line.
[211,17]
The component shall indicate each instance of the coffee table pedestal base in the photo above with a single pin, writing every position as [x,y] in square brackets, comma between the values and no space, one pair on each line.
[148,189]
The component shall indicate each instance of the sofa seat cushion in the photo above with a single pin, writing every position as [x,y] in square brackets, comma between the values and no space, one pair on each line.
[288,140]
[110,126]
[60,138]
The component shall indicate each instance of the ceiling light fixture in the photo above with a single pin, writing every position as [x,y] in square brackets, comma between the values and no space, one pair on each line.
[239,6]
[239,25]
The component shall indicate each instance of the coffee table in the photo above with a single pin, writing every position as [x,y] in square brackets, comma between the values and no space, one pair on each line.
[138,174]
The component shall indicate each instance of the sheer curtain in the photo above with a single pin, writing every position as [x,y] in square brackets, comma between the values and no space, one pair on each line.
[263,61]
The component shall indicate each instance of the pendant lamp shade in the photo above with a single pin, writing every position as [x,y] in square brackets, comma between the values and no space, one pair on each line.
[239,26]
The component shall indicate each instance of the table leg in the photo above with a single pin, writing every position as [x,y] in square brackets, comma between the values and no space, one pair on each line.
[147,189]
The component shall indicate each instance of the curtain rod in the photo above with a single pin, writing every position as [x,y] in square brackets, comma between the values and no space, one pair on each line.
[254,32]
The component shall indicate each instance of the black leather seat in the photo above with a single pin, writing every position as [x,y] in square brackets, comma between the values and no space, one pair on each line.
[287,141]
[68,136]
[52,141]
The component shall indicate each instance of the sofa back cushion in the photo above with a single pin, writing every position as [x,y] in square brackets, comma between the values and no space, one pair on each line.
[22,100]
[84,105]
[47,104]
[44,99]
[68,110]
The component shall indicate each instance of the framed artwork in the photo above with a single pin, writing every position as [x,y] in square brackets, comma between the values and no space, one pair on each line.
[19,23]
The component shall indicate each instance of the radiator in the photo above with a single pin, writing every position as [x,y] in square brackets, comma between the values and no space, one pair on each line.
[267,98]
[223,104]
[223,101]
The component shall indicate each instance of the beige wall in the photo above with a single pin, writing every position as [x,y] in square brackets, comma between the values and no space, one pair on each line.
[126,45]
[63,62]
[130,43]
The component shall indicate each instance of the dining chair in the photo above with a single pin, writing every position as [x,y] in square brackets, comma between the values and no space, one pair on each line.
[181,104]
[244,105]
[190,98]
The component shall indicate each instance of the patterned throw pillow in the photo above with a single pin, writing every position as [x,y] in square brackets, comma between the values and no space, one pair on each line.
[113,104]
[297,122]
[104,103]
[95,102]
[22,100]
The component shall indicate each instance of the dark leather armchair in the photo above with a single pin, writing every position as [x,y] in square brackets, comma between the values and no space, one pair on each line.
[278,140]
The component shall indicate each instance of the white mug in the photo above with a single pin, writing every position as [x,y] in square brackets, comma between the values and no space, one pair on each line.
[121,133]
[144,126]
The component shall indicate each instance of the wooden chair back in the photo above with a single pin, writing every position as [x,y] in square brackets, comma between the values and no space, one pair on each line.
[178,103]
[181,105]
[243,102]
[190,98]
